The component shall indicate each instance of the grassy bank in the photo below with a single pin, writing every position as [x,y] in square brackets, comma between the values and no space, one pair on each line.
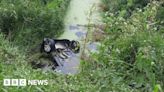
[23,24]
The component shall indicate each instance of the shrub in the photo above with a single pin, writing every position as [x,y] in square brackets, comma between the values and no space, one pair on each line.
[133,51]
[124,8]
[27,22]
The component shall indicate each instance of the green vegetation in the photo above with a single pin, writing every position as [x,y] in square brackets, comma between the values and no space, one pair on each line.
[123,8]
[27,22]
[134,47]
[131,58]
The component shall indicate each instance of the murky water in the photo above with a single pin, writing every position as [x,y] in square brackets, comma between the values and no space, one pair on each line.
[75,29]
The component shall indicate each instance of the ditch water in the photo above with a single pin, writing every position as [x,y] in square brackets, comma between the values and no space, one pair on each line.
[75,29]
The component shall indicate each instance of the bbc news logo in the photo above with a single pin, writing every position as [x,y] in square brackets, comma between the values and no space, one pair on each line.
[23,82]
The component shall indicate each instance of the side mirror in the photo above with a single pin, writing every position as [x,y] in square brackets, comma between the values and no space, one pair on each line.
[44,39]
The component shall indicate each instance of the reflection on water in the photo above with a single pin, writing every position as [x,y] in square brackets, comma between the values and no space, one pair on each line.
[81,34]
[73,27]
[93,47]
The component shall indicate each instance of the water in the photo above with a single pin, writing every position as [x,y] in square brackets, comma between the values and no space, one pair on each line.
[75,29]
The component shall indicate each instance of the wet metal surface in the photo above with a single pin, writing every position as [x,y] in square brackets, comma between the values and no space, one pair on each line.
[69,65]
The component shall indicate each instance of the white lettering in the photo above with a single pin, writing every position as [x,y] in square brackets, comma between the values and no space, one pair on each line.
[6,82]
[22,82]
[14,82]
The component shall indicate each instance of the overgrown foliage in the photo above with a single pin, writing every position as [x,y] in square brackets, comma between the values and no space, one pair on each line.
[134,49]
[123,8]
[26,22]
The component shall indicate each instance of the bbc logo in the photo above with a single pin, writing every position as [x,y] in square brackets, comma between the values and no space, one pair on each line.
[14,82]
